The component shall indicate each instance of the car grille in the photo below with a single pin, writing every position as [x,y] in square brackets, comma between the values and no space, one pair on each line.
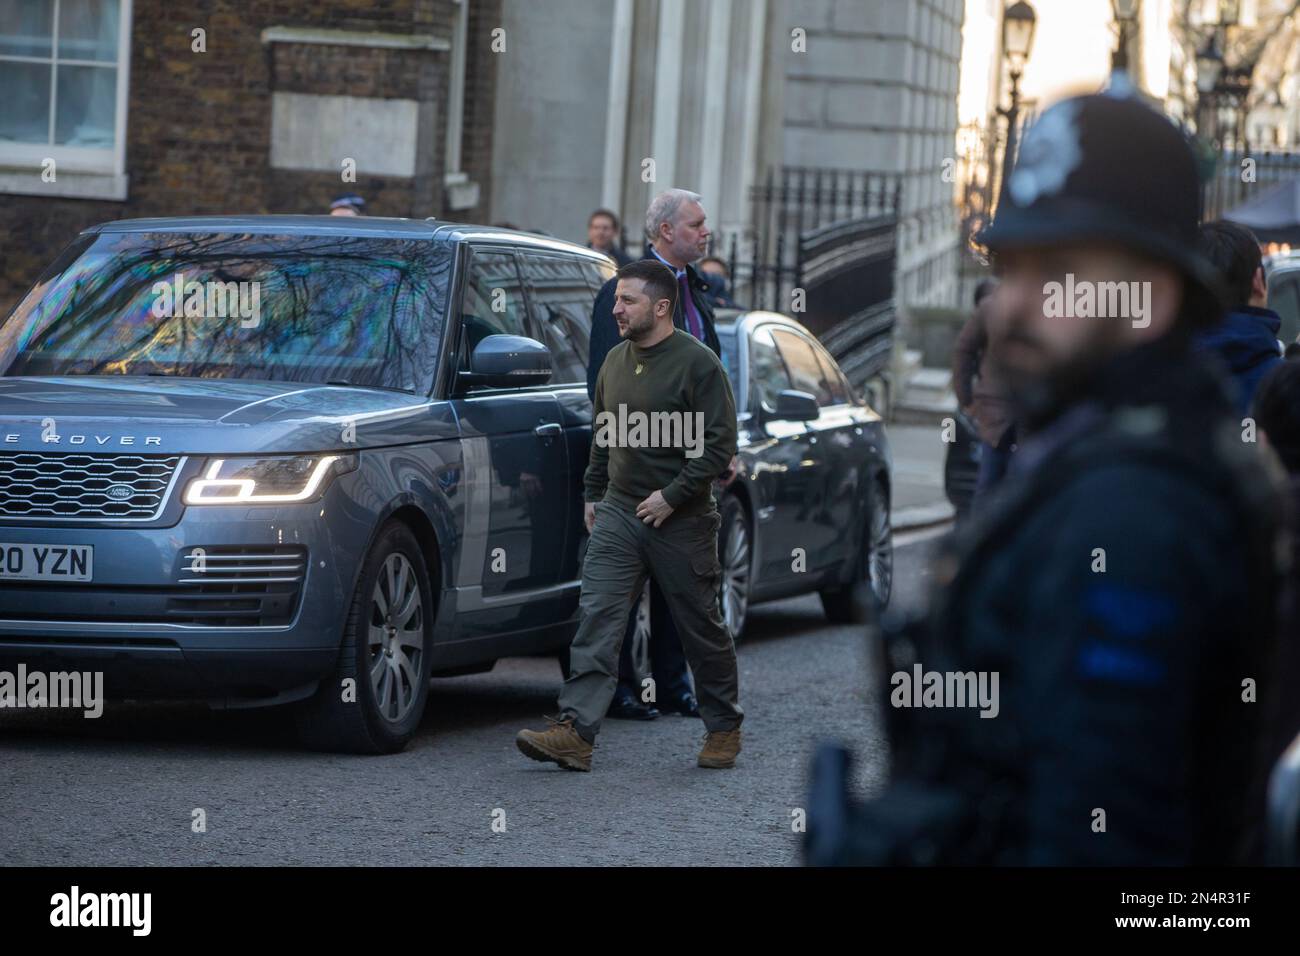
[39,485]
[216,586]
[237,586]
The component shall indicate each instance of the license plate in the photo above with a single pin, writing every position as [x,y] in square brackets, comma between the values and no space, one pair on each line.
[46,562]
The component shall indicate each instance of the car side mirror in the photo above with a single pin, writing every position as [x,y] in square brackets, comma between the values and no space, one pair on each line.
[794,406]
[508,361]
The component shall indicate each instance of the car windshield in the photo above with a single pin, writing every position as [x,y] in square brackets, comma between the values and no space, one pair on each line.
[357,310]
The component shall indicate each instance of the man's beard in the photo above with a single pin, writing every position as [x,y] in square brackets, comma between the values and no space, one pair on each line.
[1038,395]
[637,330]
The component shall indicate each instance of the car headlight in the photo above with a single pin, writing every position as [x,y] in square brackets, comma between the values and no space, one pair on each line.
[279,480]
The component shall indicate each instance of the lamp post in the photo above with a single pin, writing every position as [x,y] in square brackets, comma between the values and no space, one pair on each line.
[1018,25]
[1209,65]
[1125,19]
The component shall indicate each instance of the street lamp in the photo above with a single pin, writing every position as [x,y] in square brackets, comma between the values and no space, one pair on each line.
[1209,67]
[1018,25]
[1125,17]
[1209,64]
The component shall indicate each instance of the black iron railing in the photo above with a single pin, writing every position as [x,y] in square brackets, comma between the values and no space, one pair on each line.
[789,205]
[1241,175]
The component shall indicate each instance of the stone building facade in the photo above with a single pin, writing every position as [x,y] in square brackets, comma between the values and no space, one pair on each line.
[877,91]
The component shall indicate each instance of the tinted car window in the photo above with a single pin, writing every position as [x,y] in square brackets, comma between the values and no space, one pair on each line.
[805,371]
[1283,300]
[294,308]
[598,273]
[493,302]
[831,375]
[561,303]
[767,373]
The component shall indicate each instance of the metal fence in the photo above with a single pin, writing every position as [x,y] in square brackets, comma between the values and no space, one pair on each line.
[1240,175]
[792,203]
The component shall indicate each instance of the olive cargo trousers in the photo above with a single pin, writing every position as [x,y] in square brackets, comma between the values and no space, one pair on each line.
[682,554]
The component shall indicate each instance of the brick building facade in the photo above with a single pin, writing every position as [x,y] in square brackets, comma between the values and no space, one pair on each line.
[262,121]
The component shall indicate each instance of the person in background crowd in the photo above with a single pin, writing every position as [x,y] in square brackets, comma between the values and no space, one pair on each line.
[349,205]
[981,397]
[650,511]
[1277,416]
[714,272]
[603,235]
[1246,339]
[1122,580]
[677,235]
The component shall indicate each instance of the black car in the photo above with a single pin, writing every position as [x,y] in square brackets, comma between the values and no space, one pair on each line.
[808,507]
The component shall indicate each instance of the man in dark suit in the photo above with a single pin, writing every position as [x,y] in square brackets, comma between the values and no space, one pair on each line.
[677,235]
[602,235]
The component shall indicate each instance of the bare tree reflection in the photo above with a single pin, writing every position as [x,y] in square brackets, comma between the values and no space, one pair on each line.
[367,311]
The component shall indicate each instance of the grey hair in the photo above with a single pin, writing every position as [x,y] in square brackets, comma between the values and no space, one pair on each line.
[663,209]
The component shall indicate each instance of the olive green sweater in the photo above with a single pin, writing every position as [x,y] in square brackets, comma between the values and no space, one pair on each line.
[665,420]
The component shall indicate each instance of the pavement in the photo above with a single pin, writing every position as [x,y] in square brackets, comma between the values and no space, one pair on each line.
[919,500]
[175,784]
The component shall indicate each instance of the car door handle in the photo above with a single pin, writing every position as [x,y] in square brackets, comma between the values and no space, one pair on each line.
[548,430]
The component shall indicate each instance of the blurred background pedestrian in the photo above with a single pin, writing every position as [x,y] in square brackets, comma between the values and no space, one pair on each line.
[603,235]
[348,205]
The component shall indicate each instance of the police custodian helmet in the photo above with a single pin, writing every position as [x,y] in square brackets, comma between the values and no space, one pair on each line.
[1108,168]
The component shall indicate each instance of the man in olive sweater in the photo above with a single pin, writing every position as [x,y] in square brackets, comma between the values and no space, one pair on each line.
[664,429]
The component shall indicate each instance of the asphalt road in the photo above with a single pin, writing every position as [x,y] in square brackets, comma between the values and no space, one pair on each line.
[123,789]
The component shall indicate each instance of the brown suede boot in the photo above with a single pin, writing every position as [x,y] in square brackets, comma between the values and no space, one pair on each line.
[559,743]
[720,749]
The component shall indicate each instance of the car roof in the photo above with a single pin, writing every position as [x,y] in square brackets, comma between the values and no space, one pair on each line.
[386,227]
[728,320]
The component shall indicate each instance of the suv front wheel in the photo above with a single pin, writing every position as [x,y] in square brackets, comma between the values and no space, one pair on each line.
[375,699]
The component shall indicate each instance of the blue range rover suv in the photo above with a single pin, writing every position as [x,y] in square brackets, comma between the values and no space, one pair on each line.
[311,461]
[225,442]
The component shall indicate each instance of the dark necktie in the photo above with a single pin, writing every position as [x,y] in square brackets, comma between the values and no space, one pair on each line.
[693,323]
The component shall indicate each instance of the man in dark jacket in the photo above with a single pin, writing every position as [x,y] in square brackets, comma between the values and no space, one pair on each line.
[1246,339]
[1277,412]
[603,235]
[677,235]
[1113,604]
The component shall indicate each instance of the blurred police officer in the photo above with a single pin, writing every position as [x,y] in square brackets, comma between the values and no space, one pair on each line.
[1120,582]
